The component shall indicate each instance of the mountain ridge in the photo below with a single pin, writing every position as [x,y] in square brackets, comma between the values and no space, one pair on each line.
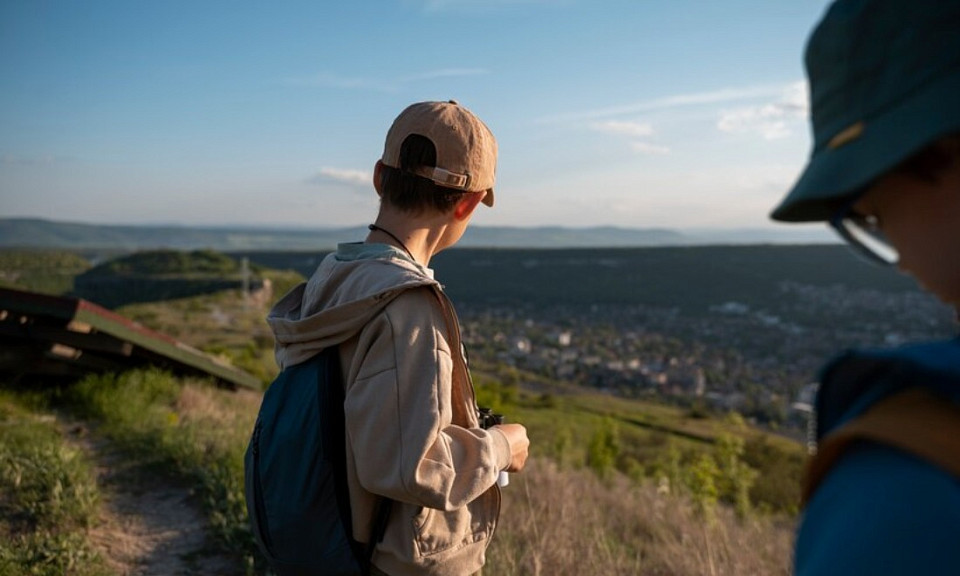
[44,233]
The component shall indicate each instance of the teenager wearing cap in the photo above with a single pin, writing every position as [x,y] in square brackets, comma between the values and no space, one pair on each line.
[882,494]
[413,435]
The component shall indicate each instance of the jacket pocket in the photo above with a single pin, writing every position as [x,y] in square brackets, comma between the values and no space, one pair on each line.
[438,531]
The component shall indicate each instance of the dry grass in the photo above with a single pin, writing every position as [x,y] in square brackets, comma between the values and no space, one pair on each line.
[554,521]
[217,408]
[567,521]
[570,522]
[224,324]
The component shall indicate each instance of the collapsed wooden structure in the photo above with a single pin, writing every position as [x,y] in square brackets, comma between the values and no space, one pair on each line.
[60,337]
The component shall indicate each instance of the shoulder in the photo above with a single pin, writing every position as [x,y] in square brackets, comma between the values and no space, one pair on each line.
[853,381]
[881,511]
[416,309]
[416,300]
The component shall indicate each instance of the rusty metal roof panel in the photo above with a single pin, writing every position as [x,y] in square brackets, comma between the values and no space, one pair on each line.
[63,336]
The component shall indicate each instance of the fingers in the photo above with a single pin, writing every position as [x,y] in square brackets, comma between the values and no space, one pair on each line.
[519,445]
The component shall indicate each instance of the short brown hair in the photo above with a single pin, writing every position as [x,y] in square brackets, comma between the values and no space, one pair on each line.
[411,193]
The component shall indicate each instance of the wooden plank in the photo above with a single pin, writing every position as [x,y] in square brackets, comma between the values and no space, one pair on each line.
[92,341]
[87,362]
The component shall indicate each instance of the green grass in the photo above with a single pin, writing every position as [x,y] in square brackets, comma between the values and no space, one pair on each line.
[182,427]
[193,431]
[48,498]
[649,439]
[221,324]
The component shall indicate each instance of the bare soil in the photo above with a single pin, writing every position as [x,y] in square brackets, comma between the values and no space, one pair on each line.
[149,524]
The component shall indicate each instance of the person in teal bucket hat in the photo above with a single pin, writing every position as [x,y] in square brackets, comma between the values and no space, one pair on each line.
[882,493]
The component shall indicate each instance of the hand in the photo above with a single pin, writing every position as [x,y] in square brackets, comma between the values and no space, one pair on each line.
[519,444]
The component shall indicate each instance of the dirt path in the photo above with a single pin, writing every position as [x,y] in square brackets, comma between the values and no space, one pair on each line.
[148,525]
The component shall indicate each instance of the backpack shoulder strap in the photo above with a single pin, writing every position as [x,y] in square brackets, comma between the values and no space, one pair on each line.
[915,421]
[331,395]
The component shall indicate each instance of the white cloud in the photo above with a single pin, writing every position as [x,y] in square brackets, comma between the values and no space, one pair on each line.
[628,128]
[769,121]
[797,96]
[772,120]
[648,148]
[634,129]
[676,101]
[341,175]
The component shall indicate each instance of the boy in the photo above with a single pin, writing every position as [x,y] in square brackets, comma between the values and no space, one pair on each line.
[413,434]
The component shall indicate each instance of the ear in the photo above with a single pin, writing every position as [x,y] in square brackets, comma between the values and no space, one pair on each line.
[467,205]
[377,169]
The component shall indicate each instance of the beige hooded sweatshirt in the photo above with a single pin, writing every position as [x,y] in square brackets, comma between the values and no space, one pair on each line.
[412,426]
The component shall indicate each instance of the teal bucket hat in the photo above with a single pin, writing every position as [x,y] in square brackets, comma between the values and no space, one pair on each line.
[884,82]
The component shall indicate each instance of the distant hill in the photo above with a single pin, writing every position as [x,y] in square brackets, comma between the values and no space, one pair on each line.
[151,276]
[38,233]
[167,263]
[693,278]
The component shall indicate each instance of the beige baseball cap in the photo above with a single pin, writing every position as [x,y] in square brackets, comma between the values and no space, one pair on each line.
[466,149]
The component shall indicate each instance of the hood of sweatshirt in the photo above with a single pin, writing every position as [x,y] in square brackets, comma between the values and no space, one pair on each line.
[351,286]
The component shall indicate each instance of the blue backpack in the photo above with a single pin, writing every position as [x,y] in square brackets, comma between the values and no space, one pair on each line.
[295,476]
[903,396]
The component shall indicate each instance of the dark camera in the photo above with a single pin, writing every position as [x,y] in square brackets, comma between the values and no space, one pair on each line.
[487,418]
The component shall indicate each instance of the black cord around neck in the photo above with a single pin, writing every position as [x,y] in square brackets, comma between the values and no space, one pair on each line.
[398,241]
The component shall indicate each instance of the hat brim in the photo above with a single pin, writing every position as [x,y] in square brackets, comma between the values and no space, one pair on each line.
[834,176]
[488,198]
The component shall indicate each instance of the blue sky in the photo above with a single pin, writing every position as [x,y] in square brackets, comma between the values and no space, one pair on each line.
[683,113]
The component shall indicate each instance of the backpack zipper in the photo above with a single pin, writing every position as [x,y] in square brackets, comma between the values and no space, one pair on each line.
[262,527]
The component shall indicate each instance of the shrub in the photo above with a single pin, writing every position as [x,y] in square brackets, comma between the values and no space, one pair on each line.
[710,476]
[777,485]
[563,451]
[701,482]
[604,448]
[735,476]
[571,522]
[48,497]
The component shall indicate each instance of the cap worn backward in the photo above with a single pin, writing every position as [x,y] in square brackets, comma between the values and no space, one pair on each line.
[884,79]
[466,148]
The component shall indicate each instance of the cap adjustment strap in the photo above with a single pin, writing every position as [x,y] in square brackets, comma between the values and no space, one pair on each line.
[443,177]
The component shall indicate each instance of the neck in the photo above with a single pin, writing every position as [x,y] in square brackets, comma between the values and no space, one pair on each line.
[393,237]
[419,240]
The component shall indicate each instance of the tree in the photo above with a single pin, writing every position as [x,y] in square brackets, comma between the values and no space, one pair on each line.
[604,448]
[735,477]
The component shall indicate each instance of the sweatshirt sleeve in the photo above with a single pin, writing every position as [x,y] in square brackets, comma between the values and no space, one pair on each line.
[399,413]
